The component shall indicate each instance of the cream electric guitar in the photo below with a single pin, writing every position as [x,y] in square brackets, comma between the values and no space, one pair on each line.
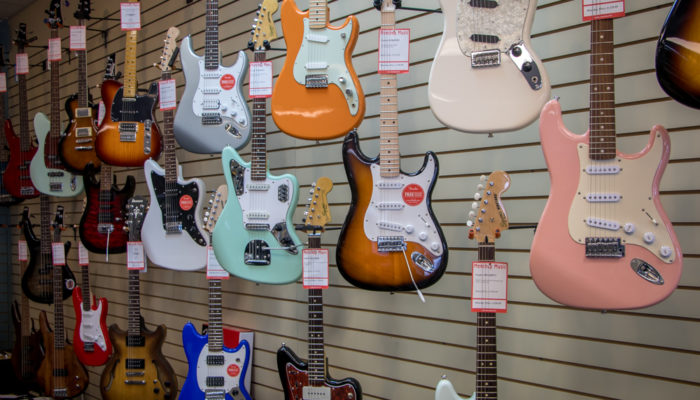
[486,77]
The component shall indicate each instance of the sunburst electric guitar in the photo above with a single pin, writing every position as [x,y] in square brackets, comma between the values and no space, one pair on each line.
[317,94]
[390,238]
[604,240]
[485,76]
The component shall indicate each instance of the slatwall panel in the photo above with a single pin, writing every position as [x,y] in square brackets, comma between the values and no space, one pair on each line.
[393,344]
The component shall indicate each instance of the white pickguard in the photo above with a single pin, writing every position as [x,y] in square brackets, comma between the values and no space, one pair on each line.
[505,21]
[90,327]
[263,206]
[203,370]
[325,48]
[388,207]
[210,96]
[445,391]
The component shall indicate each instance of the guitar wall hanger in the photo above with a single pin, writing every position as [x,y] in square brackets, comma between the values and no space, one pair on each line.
[397,3]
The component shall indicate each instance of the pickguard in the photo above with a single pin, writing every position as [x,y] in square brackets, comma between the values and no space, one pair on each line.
[216,94]
[186,217]
[232,370]
[90,327]
[139,110]
[504,21]
[298,378]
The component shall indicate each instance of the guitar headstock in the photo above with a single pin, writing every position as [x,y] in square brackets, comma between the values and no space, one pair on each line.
[55,20]
[57,224]
[21,39]
[135,212]
[488,218]
[83,11]
[167,58]
[387,5]
[264,27]
[217,202]
[317,213]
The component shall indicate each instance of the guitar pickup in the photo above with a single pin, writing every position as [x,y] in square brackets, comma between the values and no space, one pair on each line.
[389,185]
[83,112]
[26,191]
[257,215]
[215,360]
[135,341]
[488,58]
[133,382]
[83,148]
[258,186]
[88,347]
[316,81]
[83,141]
[313,37]
[60,393]
[132,374]
[390,206]
[390,244]
[211,90]
[105,228]
[602,224]
[135,363]
[127,131]
[603,169]
[603,197]
[390,226]
[607,247]
[56,186]
[55,174]
[316,393]
[83,132]
[211,104]
[215,381]
[257,227]
[211,119]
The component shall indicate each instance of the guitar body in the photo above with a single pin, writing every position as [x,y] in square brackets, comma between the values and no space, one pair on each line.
[181,250]
[317,113]
[445,391]
[678,53]
[161,381]
[94,238]
[76,375]
[357,255]
[142,142]
[91,329]
[558,262]
[240,250]
[294,376]
[32,351]
[506,98]
[16,179]
[197,351]
[209,136]
[6,199]
[52,181]
[37,278]
[77,145]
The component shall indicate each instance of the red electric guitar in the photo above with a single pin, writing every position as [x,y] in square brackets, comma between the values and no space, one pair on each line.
[90,338]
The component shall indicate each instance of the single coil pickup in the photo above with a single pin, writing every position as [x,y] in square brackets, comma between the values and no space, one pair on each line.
[488,58]
[134,382]
[211,90]
[390,226]
[603,197]
[83,148]
[312,37]
[484,38]
[602,224]
[316,81]
[60,372]
[130,127]
[105,228]
[26,191]
[135,363]
[215,360]
[173,227]
[127,137]
[608,169]
[390,243]
[316,65]
[211,75]
[135,374]
[60,393]
[83,112]
[88,347]
[257,227]
[215,381]
[211,119]
[483,3]
[56,186]
[389,185]
[83,141]
[390,206]
[135,341]
[604,247]
[56,174]
[83,132]
[211,104]
[258,187]
[257,215]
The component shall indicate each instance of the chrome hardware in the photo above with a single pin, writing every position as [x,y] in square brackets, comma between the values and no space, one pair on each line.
[646,271]
[527,66]
[423,262]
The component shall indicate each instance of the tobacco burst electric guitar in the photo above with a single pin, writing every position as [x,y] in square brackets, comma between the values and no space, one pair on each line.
[212,112]
[128,135]
[604,240]
[678,53]
[172,231]
[254,238]
[138,369]
[487,222]
[46,169]
[390,238]
[309,380]
[317,94]
[485,76]
[215,372]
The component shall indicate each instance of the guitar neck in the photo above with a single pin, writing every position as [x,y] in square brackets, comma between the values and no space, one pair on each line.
[169,144]
[4,151]
[318,14]
[486,354]
[389,157]
[211,36]
[55,129]
[215,335]
[317,358]
[134,328]
[104,215]
[130,63]
[258,168]
[24,141]
[85,287]
[45,219]
[602,92]
[82,76]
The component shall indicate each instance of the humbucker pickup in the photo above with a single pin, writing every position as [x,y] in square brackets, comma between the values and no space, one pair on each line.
[215,360]
[215,381]
[83,112]
[135,363]
[60,393]
[135,341]
[56,186]
[105,228]
[127,131]
[604,247]
[83,132]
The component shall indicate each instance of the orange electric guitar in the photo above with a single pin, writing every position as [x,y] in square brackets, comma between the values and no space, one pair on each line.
[317,94]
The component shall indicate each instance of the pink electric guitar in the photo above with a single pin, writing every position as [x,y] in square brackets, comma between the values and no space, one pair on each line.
[604,241]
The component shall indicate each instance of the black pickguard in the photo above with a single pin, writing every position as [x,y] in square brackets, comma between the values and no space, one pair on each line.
[140,110]
[187,218]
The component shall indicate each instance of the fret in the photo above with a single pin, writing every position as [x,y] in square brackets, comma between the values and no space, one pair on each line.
[258,162]
[130,84]
[486,354]
[211,36]
[134,324]
[85,287]
[215,329]
[317,358]
[318,14]
[389,153]
[602,92]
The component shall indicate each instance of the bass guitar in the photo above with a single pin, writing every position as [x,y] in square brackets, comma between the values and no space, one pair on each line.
[390,239]
[138,369]
[6,199]
[485,228]
[215,371]
[172,231]
[604,240]
[309,380]
[60,375]
[678,53]
[17,179]
[317,94]
[485,76]
[213,113]
[90,339]
[128,135]
[260,206]
[46,169]
[77,145]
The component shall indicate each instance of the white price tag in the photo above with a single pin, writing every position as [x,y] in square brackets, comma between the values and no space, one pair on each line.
[101,112]
[315,268]
[22,250]
[135,256]
[83,257]
[58,253]
[131,16]
[166,94]
[54,52]
[77,37]
[394,51]
[21,64]
[260,79]
[3,82]
[214,269]
[489,286]
[602,9]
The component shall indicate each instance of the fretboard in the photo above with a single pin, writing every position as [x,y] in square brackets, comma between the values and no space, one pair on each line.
[26,328]
[104,214]
[130,63]
[45,218]
[602,92]
[24,141]
[215,330]
[389,158]
[134,328]
[318,14]
[82,76]
[169,143]
[58,329]
[317,358]
[55,129]
[85,287]
[211,36]
[4,151]
[258,167]
[486,367]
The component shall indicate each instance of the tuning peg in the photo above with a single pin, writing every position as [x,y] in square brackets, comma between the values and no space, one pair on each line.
[470,223]
[472,214]
[477,196]
[475,205]
[483,178]
[480,186]
[471,234]
[311,191]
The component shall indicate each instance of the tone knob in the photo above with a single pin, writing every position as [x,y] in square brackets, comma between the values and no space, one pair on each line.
[665,251]
[434,246]
[422,236]
[629,228]
[649,237]
[341,80]
[409,228]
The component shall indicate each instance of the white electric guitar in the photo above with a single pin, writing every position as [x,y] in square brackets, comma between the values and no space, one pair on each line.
[486,77]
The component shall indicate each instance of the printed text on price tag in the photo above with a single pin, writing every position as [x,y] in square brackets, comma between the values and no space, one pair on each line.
[22,250]
[77,37]
[260,79]
[21,64]
[603,9]
[83,257]
[166,93]
[135,257]
[394,50]
[3,82]
[214,269]
[489,286]
[315,268]
[54,49]
[131,16]
[58,253]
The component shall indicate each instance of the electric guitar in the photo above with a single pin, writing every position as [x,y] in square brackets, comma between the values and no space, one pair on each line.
[6,199]
[172,231]
[60,375]
[258,213]
[215,371]
[138,369]
[128,135]
[213,112]
[77,145]
[678,53]
[309,380]
[485,76]
[46,169]
[604,240]
[317,94]
[390,239]
[17,179]
[485,228]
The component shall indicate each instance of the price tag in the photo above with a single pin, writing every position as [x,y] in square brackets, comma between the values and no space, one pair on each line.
[58,253]
[54,49]
[394,51]
[131,16]
[214,269]
[83,257]
[21,64]
[166,93]
[135,257]
[3,82]
[22,250]
[101,112]
[489,286]
[315,268]
[260,80]
[602,9]
[77,37]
